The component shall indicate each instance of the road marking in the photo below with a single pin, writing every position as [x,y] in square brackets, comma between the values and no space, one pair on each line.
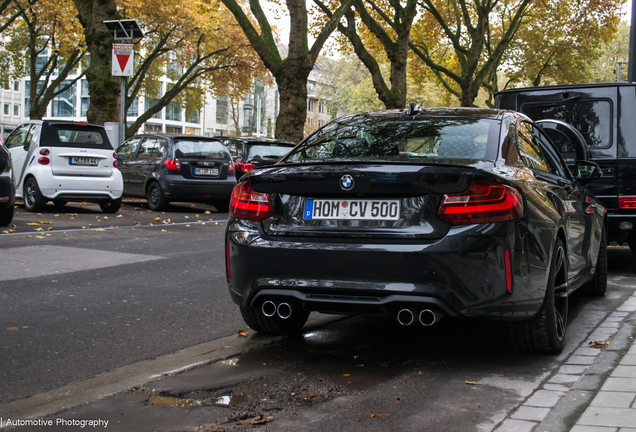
[46,260]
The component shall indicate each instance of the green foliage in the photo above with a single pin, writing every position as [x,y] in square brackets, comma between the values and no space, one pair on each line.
[605,69]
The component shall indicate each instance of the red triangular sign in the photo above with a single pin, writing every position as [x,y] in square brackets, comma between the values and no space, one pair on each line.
[122,59]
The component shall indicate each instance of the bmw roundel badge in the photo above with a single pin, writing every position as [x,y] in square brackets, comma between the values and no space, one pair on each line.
[346,182]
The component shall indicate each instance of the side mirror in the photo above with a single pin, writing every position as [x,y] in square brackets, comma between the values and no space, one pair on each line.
[586,170]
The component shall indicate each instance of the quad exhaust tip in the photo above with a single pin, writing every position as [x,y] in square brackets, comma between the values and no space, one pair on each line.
[283,310]
[426,317]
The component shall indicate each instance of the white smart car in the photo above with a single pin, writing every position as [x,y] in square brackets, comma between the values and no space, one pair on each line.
[64,161]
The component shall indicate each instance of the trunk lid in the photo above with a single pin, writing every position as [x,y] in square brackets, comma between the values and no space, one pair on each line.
[202,159]
[384,200]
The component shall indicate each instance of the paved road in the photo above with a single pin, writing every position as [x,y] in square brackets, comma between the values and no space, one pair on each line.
[78,301]
[138,291]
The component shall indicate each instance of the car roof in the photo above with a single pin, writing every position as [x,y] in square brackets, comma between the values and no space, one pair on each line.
[567,87]
[421,113]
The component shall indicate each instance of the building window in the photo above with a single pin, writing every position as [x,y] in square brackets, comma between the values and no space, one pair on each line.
[16,86]
[173,129]
[193,116]
[149,127]
[133,109]
[192,131]
[311,88]
[149,103]
[64,103]
[173,112]
[221,110]
[85,100]
[7,108]
[16,110]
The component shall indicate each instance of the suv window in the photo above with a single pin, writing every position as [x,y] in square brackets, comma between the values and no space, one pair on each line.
[592,117]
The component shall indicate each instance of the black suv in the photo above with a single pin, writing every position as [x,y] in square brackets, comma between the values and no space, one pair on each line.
[605,115]
[7,188]
[165,167]
[250,152]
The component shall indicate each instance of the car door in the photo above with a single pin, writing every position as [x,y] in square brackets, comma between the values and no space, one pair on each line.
[149,157]
[558,179]
[18,144]
[126,155]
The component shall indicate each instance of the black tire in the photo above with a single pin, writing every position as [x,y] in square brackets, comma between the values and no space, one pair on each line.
[112,206]
[156,200]
[6,216]
[257,321]
[598,285]
[57,202]
[545,332]
[33,198]
[221,206]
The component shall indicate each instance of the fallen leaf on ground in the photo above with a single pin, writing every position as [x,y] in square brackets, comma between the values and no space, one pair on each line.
[310,395]
[28,235]
[208,212]
[105,217]
[13,328]
[99,229]
[38,229]
[475,383]
[380,415]
[164,230]
[157,219]
[120,216]
[43,222]
[40,237]
[56,215]
[346,374]
[599,343]
[242,333]
[31,223]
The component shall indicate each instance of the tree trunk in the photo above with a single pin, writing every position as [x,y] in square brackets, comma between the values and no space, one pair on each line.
[292,88]
[104,89]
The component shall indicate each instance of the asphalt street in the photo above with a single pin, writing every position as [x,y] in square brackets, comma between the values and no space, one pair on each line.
[79,301]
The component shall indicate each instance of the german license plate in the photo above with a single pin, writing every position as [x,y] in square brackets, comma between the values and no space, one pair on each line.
[364,209]
[207,171]
[83,161]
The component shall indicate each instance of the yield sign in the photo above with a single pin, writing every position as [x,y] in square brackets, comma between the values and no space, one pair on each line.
[123,59]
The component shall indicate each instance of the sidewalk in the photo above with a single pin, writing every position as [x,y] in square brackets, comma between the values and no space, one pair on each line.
[596,384]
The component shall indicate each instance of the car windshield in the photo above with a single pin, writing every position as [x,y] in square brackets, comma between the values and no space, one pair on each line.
[430,138]
[199,149]
[267,151]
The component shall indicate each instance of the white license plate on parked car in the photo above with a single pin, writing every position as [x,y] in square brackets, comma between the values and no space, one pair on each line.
[207,171]
[83,161]
[363,209]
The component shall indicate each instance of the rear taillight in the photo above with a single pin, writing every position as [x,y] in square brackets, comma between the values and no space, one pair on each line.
[627,202]
[44,161]
[173,164]
[115,162]
[45,152]
[231,168]
[483,202]
[244,166]
[249,205]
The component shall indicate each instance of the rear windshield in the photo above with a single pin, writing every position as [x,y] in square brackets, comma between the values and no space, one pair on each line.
[196,148]
[433,139]
[267,151]
[593,118]
[74,135]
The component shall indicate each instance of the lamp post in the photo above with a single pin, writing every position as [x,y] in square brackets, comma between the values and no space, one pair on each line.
[123,60]
[618,75]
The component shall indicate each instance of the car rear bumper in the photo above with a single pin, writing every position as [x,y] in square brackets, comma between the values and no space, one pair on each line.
[382,278]
[176,189]
[75,187]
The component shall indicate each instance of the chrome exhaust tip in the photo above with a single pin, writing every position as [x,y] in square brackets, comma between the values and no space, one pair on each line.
[428,317]
[268,308]
[405,317]
[284,310]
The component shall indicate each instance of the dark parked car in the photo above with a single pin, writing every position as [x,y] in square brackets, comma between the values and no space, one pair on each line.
[604,114]
[164,168]
[7,188]
[417,214]
[250,152]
